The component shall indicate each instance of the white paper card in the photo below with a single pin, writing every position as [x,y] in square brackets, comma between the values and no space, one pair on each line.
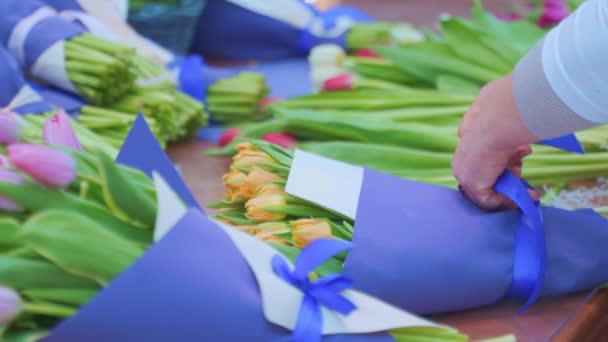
[282,301]
[170,207]
[326,182]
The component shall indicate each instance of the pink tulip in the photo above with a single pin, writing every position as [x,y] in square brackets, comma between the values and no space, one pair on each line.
[228,135]
[9,176]
[47,166]
[554,11]
[368,53]
[281,139]
[267,102]
[58,131]
[10,305]
[343,81]
[9,128]
[4,163]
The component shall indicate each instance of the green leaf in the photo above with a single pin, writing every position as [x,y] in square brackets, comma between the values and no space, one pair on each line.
[9,233]
[27,336]
[29,274]
[463,39]
[456,85]
[303,211]
[36,198]
[121,191]
[65,296]
[79,245]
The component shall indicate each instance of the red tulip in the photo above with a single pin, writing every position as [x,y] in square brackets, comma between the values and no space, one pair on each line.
[228,135]
[281,139]
[344,81]
[369,53]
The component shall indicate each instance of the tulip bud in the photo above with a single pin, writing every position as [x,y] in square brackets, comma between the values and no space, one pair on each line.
[326,55]
[228,135]
[245,146]
[248,159]
[255,207]
[10,129]
[50,167]
[554,11]
[405,34]
[58,131]
[10,305]
[281,139]
[321,74]
[367,53]
[344,81]
[258,177]
[306,231]
[236,185]
[10,177]
[269,231]
[270,189]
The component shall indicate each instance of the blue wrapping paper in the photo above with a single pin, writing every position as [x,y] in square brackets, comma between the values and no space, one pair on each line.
[427,249]
[64,5]
[227,30]
[178,291]
[43,35]
[13,82]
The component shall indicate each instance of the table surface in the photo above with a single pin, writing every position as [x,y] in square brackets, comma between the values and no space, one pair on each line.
[576,317]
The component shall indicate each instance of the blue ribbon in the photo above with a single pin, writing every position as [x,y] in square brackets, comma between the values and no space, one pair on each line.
[329,20]
[325,291]
[530,259]
[567,143]
[191,79]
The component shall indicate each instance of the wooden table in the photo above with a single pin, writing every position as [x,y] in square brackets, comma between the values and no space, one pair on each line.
[570,318]
[576,317]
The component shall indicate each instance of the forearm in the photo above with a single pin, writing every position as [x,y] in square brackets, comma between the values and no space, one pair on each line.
[561,86]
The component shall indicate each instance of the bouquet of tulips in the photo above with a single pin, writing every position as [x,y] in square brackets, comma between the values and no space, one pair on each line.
[69,58]
[61,210]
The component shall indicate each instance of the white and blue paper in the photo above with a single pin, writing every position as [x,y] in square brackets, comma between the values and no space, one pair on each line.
[427,249]
[269,29]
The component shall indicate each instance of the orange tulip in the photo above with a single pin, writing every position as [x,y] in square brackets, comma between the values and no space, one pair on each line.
[255,207]
[305,231]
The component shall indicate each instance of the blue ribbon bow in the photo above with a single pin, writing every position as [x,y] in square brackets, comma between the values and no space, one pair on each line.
[530,260]
[325,291]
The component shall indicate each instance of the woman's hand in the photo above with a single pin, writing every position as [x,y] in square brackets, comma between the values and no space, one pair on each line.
[493,138]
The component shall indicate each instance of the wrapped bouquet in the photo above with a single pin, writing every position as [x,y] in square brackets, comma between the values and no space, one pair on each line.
[283,29]
[81,233]
[64,54]
[404,252]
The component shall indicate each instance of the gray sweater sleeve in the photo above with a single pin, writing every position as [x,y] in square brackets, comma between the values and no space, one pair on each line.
[561,85]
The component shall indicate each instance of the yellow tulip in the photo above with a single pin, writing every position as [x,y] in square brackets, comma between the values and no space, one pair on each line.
[255,207]
[236,186]
[305,231]
[248,159]
[258,177]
